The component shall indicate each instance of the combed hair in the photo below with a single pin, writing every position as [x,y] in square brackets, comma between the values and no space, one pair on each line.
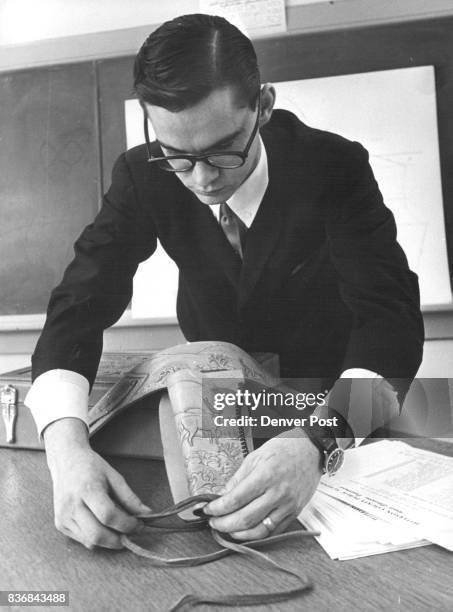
[187,58]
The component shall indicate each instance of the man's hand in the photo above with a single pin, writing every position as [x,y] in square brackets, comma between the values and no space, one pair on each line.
[274,481]
[92,502]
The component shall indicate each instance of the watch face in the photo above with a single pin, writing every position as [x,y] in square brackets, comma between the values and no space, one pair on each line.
[334,461]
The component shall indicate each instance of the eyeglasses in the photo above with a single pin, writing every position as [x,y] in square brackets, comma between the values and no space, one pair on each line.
[227,160]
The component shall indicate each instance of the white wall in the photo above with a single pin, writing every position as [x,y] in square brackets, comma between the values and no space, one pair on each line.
[16,347]
[437,360]
[25,21]
[38,32]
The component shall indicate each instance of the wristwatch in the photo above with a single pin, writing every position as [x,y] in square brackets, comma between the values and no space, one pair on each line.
[332,456]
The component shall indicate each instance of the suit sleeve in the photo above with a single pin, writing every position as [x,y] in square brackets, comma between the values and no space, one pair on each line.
[97,285]
[374,278]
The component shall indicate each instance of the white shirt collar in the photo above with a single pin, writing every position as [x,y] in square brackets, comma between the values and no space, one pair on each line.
[246,200]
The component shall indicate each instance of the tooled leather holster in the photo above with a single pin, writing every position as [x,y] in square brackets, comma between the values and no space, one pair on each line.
[200,457]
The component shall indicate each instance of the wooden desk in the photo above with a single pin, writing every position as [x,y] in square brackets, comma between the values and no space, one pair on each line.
[34,556]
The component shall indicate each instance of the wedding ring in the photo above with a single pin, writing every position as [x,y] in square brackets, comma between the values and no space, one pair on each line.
[268,523]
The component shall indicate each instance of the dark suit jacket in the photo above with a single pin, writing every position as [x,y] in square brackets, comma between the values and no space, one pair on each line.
[323,283]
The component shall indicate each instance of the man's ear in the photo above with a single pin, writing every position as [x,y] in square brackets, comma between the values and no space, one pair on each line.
[268,96]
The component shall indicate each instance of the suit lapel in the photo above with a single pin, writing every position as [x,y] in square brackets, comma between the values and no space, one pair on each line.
[264,233]
[262,238]
[214,242]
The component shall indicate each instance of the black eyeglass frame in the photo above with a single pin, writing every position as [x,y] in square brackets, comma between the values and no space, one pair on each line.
[193,159]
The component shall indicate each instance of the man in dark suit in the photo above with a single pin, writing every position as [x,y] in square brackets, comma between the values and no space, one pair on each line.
[302,261]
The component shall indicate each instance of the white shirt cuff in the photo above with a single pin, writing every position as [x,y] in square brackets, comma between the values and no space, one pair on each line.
[58,394]
[359,416]
[359,373]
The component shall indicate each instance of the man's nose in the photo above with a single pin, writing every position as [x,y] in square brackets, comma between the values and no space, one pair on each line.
[203,174]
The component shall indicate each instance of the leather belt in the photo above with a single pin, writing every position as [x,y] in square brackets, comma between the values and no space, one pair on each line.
[248,548]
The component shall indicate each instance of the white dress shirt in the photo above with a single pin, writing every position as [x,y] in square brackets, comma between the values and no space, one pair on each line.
[59,394]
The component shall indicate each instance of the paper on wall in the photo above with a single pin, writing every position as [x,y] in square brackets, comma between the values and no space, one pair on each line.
[252,17]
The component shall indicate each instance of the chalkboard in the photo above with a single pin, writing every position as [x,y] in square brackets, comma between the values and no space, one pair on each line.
[48,179]
[115,85]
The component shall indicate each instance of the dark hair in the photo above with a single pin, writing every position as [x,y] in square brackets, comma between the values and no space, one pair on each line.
[187,58]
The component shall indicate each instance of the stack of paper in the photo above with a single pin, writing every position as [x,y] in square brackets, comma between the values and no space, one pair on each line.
[388,496]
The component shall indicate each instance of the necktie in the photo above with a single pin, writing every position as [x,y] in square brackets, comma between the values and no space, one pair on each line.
[233,228]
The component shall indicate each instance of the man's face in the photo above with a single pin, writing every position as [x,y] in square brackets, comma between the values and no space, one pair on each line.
[218,123]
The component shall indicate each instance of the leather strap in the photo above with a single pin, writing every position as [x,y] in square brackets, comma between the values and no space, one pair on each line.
[187,602]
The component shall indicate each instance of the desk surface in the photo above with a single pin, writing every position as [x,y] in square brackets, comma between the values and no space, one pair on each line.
[34,556]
